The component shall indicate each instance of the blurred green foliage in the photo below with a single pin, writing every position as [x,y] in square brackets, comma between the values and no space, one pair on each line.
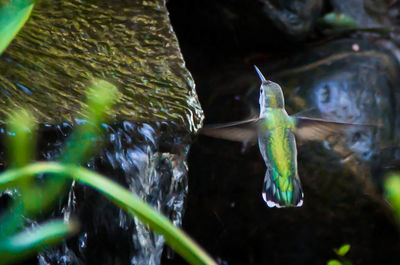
[101,96]
[337,20]
[333,262]
[341,253]
[31,198]
[392,193]
[30,241]
[13,15]
[339,23]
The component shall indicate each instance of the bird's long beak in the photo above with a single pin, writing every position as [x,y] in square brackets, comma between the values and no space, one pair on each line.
[260,75]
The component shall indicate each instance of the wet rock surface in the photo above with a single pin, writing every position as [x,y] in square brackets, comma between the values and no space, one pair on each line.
[132,45]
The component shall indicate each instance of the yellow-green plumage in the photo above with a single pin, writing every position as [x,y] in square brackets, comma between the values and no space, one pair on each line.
[278,147]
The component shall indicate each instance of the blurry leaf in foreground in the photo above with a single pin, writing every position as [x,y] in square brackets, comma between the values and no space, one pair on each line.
[337,20]
[13,15]
[32,240]
[342,251]
[31,198]
[20,149]
[101,96]
[79,147]
[333,262]
[85,139]
[21,143]
[21,138]
[392,193]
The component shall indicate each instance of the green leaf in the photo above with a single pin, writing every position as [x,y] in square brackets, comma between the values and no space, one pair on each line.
[13,15]
[337,20]
[343,250]
[333,262]
[35,239]
[80,146]
[101,96]
[174,237]
[392,193]
[21,128]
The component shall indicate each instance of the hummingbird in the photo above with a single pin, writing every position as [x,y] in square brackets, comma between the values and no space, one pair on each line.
[276,132]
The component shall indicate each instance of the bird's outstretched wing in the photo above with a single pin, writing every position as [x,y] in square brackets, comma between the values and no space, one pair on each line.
[314,129]
[240,131]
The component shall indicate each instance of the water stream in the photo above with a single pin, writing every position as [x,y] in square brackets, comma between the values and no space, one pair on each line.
[149,160]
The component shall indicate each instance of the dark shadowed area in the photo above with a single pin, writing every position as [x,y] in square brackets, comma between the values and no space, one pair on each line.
[348,76]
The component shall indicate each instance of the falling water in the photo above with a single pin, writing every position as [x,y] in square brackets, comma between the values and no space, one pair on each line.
[149,160]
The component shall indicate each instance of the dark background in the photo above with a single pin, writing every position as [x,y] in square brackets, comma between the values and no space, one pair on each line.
[225,212]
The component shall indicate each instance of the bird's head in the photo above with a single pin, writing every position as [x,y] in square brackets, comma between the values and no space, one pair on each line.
[271,95]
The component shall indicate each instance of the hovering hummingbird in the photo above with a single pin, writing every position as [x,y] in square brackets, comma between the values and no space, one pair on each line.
[276,132]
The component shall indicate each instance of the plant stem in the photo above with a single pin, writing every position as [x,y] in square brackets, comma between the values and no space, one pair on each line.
[174,237]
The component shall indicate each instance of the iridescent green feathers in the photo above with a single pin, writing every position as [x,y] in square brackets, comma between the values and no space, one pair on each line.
[274,196]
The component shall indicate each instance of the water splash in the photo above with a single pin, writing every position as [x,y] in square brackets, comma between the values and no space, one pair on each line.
[149,160]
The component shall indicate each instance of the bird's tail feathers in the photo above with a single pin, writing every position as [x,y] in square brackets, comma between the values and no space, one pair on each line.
[274,196]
